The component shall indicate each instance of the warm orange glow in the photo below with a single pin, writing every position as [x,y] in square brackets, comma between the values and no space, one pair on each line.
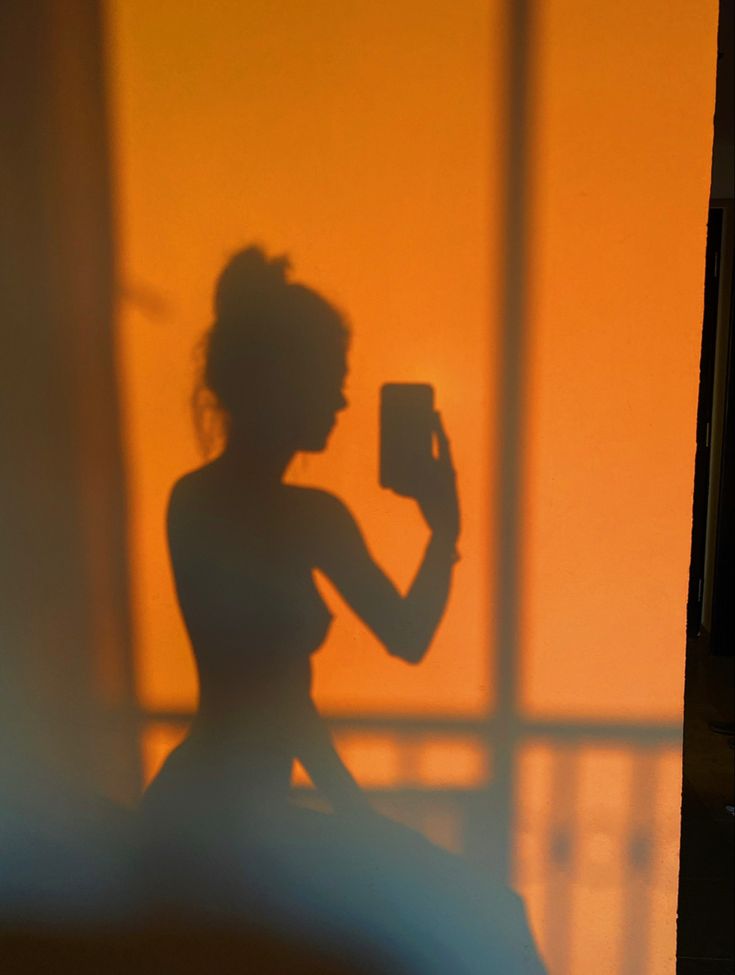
[452,762]
[620,178]
[391,760]
[367,140]
[597,832]
[378,761]
[159,738]
[370,167]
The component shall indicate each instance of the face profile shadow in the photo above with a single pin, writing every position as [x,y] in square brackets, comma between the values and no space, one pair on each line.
[225,846]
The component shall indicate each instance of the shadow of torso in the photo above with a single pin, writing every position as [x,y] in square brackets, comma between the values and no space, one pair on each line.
[243,558]
[222,838]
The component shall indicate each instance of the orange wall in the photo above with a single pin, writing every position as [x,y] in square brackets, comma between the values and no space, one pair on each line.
[361,139]
[622,149]
[367,140]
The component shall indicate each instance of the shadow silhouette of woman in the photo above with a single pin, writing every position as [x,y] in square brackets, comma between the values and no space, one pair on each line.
[244,545]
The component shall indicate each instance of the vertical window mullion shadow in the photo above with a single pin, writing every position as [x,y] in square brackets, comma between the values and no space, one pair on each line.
[507,516]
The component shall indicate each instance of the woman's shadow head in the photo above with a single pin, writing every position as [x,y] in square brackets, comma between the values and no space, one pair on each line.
[274,359]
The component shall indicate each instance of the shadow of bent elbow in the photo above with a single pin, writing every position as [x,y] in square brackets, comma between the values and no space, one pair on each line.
[409,653]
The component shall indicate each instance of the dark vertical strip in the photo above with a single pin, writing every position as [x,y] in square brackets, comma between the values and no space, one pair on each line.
[63,598]
[510,414]
[702,460]
[109,557]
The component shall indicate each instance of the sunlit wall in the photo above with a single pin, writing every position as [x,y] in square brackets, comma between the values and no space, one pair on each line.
[369,141]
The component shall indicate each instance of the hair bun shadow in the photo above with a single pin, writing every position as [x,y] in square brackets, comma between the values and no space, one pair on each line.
[248,276]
